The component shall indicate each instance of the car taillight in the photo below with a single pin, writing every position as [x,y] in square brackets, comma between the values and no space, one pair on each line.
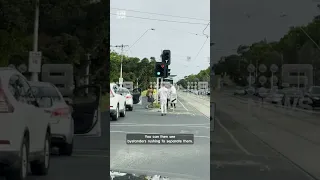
[5,106]
[128,96]
[61,112]
[111,94]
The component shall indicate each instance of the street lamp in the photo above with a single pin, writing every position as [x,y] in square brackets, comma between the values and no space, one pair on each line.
[34,76]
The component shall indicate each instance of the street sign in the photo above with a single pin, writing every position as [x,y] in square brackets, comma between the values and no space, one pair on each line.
[251,68]
[35,61]
[203,85]
[274,68]
[262,79]
[253,80]
[275,79]
[262,68]
[251,90]
[120,80]
[128,85]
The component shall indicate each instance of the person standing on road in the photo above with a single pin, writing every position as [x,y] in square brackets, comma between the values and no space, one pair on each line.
[163,93]
[173,96]
[150,96]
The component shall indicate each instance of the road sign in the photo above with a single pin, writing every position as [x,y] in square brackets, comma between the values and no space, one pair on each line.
[251,68]
[263,92]
[203,85]
[275,79]
[120,80]
[253,80]
[35,61]
[262,79]
[262,68]
[128,85]
[274,68]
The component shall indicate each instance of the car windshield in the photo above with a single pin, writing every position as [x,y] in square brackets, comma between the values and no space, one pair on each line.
[124,91]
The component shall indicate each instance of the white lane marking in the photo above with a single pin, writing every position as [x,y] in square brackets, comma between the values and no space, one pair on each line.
[183,105]
[89,150]
[90,156]
[126,132]
[233,138]
[164,125]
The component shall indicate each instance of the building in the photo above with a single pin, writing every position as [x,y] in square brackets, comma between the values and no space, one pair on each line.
[295,74]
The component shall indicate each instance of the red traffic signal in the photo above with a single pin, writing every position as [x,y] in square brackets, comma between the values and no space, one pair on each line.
[162,65]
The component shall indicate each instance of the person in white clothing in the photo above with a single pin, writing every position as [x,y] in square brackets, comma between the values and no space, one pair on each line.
[163,93]
[173,96]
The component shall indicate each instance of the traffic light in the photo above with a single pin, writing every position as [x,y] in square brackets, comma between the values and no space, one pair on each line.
[167,71]
[166,57]
[159,69]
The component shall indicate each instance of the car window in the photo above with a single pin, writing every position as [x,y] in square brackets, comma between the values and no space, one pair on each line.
[42,91]
[25,91]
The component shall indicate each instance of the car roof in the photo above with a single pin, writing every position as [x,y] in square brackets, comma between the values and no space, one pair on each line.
[42,84]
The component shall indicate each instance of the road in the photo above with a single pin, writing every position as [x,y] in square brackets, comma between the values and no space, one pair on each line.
[257,141]
[188,161]
[91,156]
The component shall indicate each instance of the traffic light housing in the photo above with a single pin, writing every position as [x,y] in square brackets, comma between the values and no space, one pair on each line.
[167,72]
[166,57]
[159,69]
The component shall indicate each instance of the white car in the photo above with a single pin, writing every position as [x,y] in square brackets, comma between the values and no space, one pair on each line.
[117,103]
[25,130]
[129,101]
[62,124]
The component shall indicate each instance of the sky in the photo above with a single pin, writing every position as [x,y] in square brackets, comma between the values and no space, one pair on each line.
[235,22]
[184,40]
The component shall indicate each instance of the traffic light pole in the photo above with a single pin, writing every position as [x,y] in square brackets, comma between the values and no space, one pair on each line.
[157,94]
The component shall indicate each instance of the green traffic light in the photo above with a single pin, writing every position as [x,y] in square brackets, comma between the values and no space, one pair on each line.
[158,73]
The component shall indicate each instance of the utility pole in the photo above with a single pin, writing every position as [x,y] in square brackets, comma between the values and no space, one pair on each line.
[34,76]
[120,78]
[88,69]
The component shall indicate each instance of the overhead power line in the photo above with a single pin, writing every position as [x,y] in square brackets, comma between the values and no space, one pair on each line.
[183,17]
[164,20]
[201,48]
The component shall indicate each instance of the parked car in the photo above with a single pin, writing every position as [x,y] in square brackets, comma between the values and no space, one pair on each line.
[240,91]
[129,100]
[25,130]
[313,94]
[117,103]
[62,124]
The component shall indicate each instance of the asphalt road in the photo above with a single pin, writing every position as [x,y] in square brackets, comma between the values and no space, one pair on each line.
[184,161]
[258,143]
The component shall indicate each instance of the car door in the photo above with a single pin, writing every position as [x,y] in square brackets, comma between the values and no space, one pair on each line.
[86,110]
[136,93]
[122,99]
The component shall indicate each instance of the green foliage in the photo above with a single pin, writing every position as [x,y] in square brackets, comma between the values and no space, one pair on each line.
[293,47]
[203,75]
[67,31]
[133,69]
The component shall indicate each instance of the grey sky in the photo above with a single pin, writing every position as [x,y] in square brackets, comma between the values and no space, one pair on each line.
[177,37]
[232,27]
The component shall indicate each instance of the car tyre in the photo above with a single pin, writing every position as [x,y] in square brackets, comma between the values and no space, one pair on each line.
[66,149]
[41,167]
[115,116]
[123,113]
[21,172]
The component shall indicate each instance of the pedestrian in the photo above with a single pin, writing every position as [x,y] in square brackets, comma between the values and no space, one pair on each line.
[173,96]
[150,98]
[163,94]
[169,94]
